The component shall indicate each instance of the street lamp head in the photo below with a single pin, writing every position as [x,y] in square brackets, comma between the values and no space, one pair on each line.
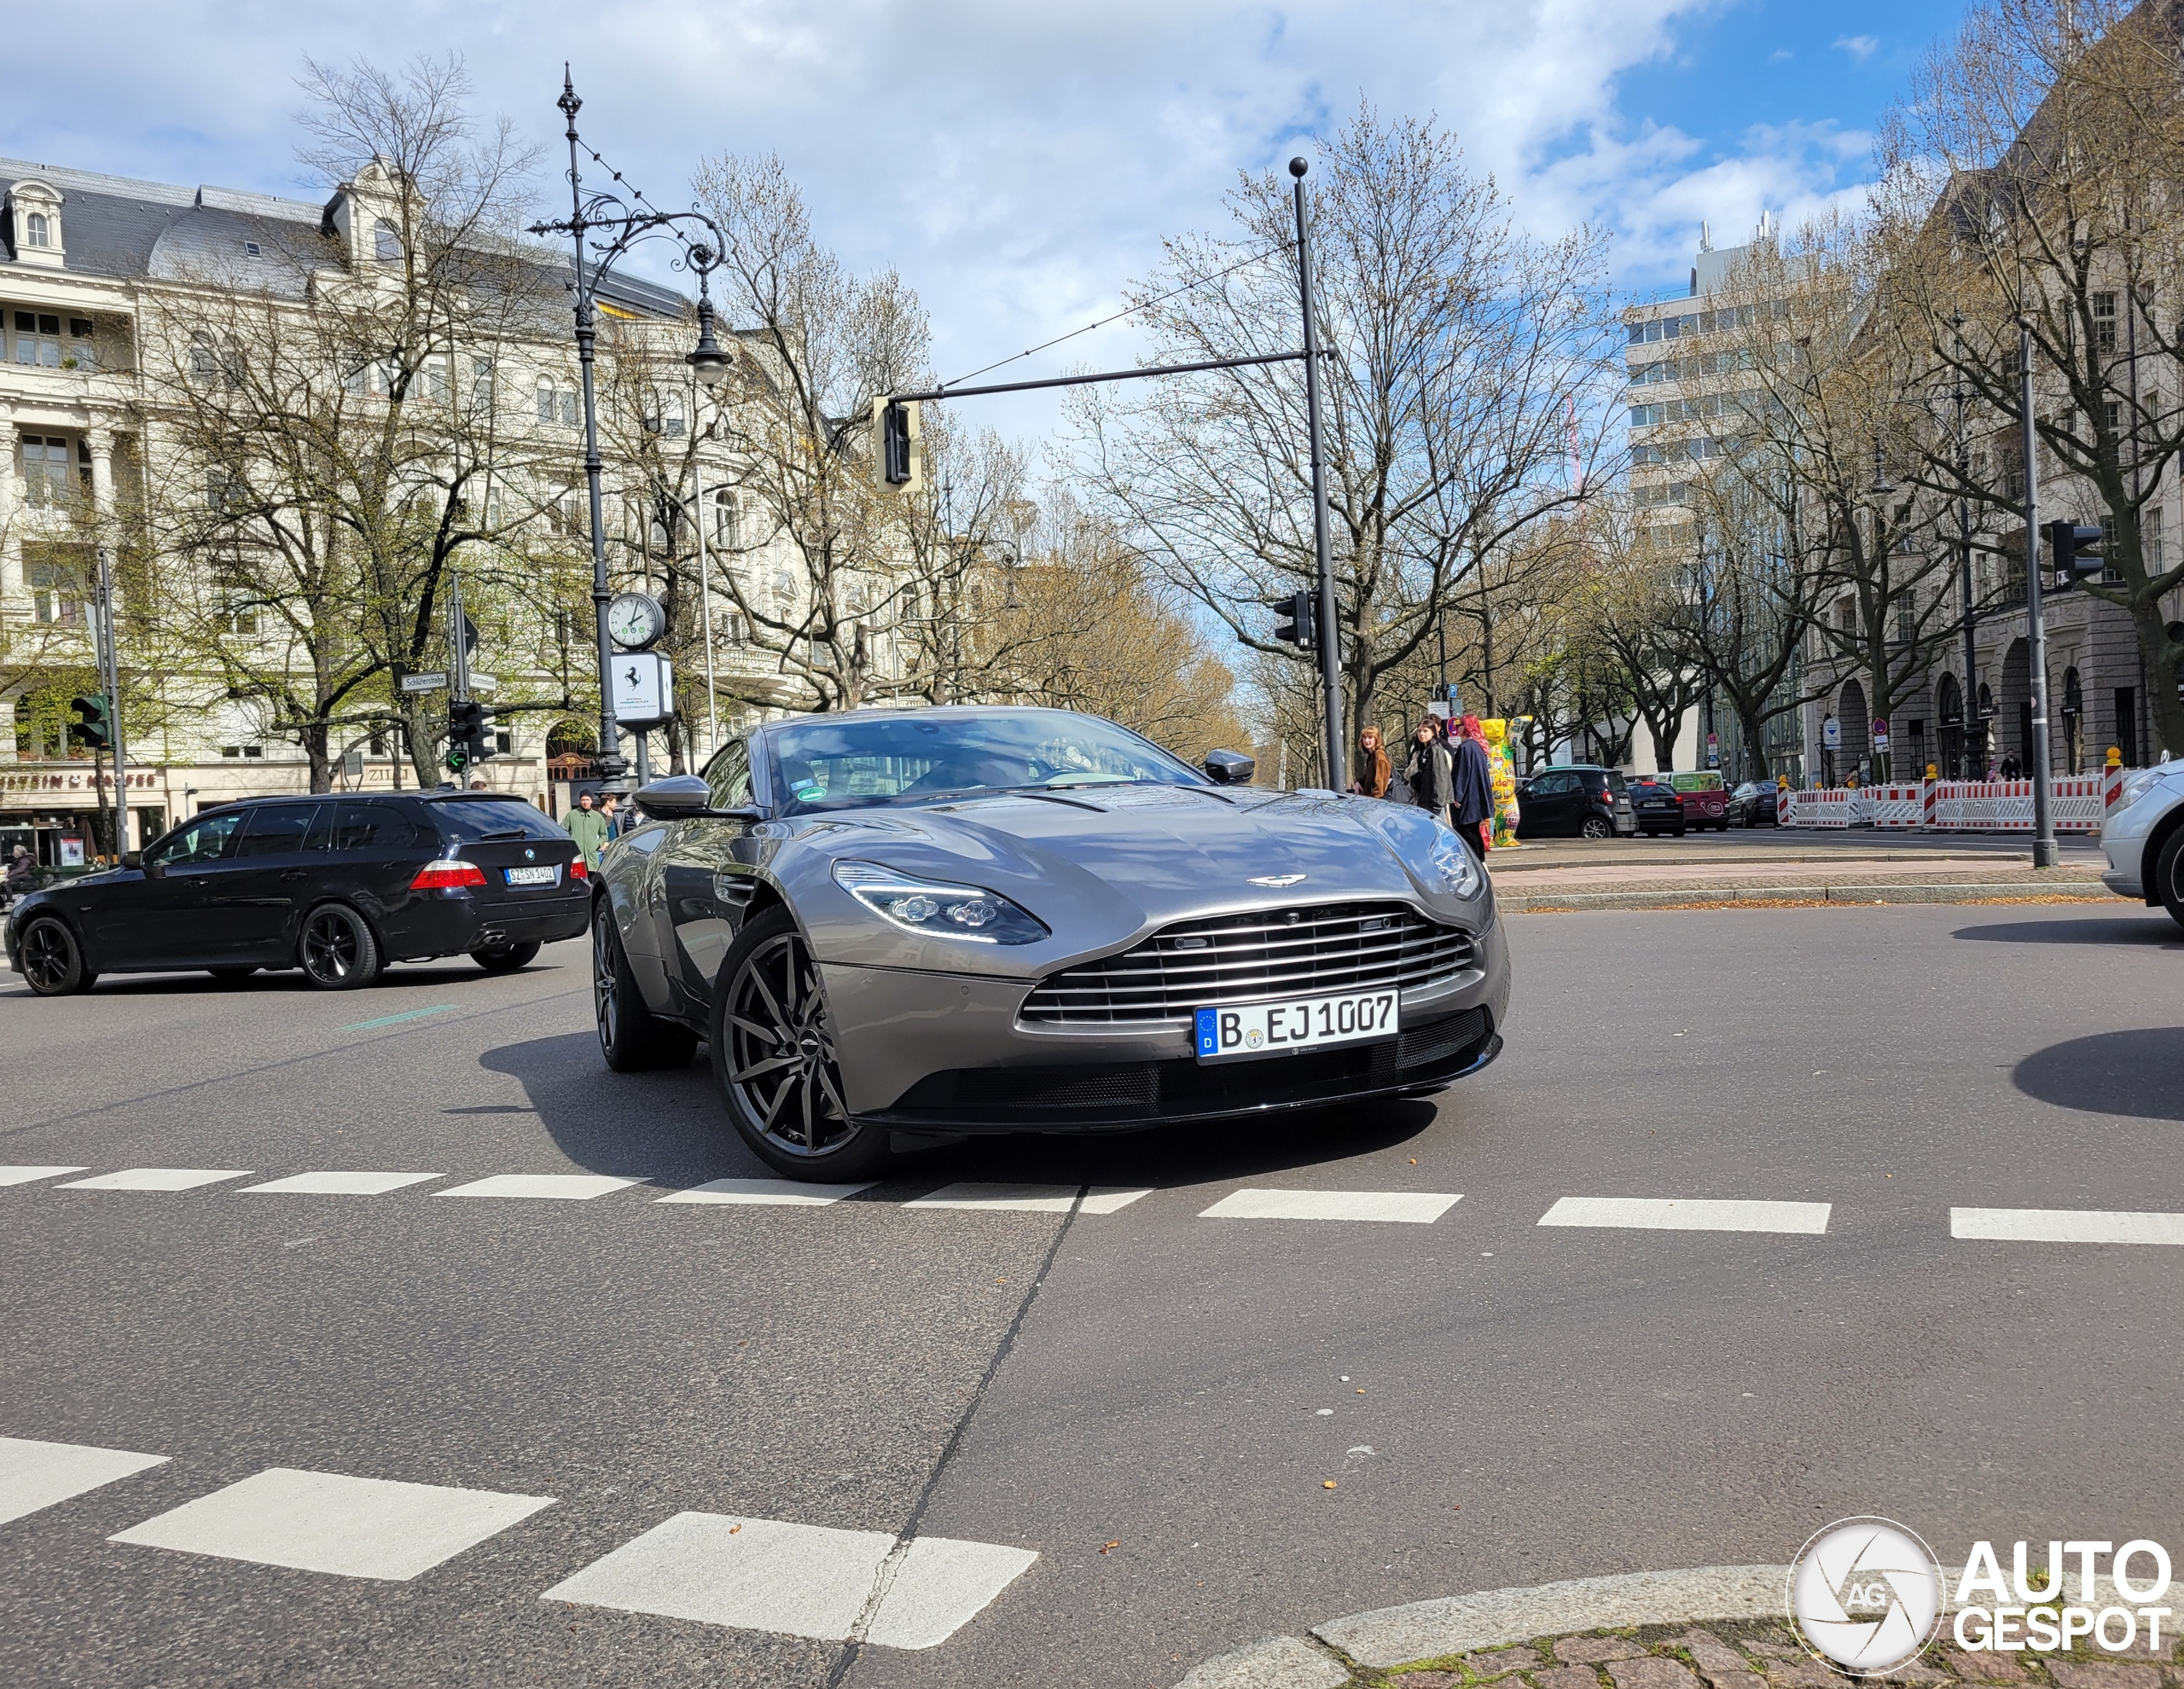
[708,361]
[1297,167]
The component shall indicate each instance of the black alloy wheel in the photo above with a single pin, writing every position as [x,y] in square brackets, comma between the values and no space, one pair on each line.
[632,1037]
[336,949]
[51,961]
[774,1055]
[1597,826]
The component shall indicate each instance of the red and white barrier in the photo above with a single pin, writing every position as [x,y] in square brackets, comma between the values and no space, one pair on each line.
[2077,801]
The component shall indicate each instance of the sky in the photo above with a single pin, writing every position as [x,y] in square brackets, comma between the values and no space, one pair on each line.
[1018,163]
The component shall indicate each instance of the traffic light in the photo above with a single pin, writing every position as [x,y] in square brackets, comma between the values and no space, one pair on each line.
[2074,552]
[465,734]
[895,429]
[98,719]
[1297,620]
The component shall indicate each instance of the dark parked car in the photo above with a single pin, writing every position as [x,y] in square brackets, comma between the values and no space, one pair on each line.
[338,885]
[1578,800]
[1752,804]
[1656,807]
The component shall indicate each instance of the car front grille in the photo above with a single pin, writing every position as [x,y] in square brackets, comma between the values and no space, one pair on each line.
[1248,958]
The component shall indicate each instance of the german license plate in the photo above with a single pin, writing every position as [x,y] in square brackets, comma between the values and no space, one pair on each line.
[1299,1024]
[533,876]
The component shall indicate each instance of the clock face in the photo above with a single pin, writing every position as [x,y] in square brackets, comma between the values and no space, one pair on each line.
[635,620]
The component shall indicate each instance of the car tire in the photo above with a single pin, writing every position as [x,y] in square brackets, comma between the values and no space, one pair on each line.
[336,948]
[773,1055]
[50,960]
[1596,826]
[506,958]
[2169,876]
[632,1037]
[232,976]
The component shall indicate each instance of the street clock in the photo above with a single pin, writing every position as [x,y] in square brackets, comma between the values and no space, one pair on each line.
[635,620]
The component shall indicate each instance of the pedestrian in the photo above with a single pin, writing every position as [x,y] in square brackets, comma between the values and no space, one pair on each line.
[589,829]
[1374,771]
[22,874]
[1428,771]
[613,821]
[1472,787]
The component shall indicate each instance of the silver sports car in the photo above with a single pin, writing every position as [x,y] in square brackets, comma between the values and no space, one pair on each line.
[895,928]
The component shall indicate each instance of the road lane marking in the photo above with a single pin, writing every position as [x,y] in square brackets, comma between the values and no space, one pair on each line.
[1664,1214]
[766,1193]
[156,1179]
[325,1521]
[342,1184]
[1409,1208]
[26,1175]
[395,1020]
[564,1187]
[35,1475]
[797,1580]
[1029,1199]
[2066,1225]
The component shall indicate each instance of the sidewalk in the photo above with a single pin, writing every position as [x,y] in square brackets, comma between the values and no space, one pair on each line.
[1720,1627]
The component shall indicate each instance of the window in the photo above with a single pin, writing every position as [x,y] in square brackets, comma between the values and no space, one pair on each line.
[82,345]
[56,595]
[386,242]
[727,529]
[671,420]
[556,403]
[281,829]
[1637,334]
[202,840]
[727,776]
[38,229]
[226,493]
[2150,542]
[240,616]
[481,382]
[2104,323]
[251,249]
[37,339]
[2114,411]
[503,741]
[373,827]
[47,484]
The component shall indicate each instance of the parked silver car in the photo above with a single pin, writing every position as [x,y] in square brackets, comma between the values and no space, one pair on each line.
[899,926]
[2143,837]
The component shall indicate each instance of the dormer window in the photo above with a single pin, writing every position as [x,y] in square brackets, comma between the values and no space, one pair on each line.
[38,229]
[387,242]
[34,209]
[251,249]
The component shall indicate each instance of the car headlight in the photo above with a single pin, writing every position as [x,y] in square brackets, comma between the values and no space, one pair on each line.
[1453,864]
[2137,786]
[969,914]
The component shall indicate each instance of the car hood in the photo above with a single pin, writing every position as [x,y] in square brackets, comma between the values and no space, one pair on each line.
[1102,866]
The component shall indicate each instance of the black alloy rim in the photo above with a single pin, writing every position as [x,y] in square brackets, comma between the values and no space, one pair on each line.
[602,981]
[330,946]
[46,958]
[780,1050]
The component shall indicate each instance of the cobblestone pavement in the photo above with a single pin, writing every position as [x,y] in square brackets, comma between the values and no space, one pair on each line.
[1733,1654]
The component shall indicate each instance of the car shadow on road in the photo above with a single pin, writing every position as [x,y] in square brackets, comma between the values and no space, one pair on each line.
[397,979]
[2147,930]
[2130,1073]
[669,1126]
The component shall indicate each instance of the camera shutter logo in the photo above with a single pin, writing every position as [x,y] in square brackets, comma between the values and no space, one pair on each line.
[1867,1592]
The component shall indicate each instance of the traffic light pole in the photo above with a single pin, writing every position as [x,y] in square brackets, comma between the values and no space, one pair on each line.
[2045,851]
[110,678]
[1330,635]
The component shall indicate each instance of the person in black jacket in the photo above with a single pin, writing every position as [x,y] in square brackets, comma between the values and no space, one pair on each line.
[1473,797]
[1429,772]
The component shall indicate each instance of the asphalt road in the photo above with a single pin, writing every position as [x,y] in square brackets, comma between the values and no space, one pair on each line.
[1497,1402]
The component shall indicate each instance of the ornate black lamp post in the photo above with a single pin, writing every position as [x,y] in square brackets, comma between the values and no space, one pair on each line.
[601,227]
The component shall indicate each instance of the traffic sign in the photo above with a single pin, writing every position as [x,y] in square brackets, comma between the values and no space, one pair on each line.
[484,682]
[1830,734]
[431,682]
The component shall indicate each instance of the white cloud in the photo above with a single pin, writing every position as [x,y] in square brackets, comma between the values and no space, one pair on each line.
[1859,47]
[1015,162]
[1780,55]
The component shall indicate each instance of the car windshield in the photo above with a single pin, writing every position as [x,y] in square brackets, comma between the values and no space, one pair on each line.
[842,764]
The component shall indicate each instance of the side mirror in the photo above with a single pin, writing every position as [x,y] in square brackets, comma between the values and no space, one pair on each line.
[1229,767]
[132,859]
[154,868]
[687,798]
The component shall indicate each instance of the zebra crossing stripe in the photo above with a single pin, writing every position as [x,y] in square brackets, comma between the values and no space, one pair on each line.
[29,1175]
[2065,1225]
[1657,1214]
[38,1475]
[1412,1208]
[766,1193]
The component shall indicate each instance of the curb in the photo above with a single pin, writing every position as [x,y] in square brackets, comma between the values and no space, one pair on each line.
[2070,891]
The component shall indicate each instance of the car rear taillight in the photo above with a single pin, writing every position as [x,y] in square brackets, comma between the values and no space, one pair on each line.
[578,871]
[446,874]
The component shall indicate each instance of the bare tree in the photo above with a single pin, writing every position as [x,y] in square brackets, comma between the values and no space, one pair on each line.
[1461,356]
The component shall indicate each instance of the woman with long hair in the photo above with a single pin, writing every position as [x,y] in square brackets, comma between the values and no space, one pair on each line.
[1374,769]
[1472,799]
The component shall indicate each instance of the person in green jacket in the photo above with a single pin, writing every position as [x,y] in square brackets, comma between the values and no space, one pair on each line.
[590,829]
